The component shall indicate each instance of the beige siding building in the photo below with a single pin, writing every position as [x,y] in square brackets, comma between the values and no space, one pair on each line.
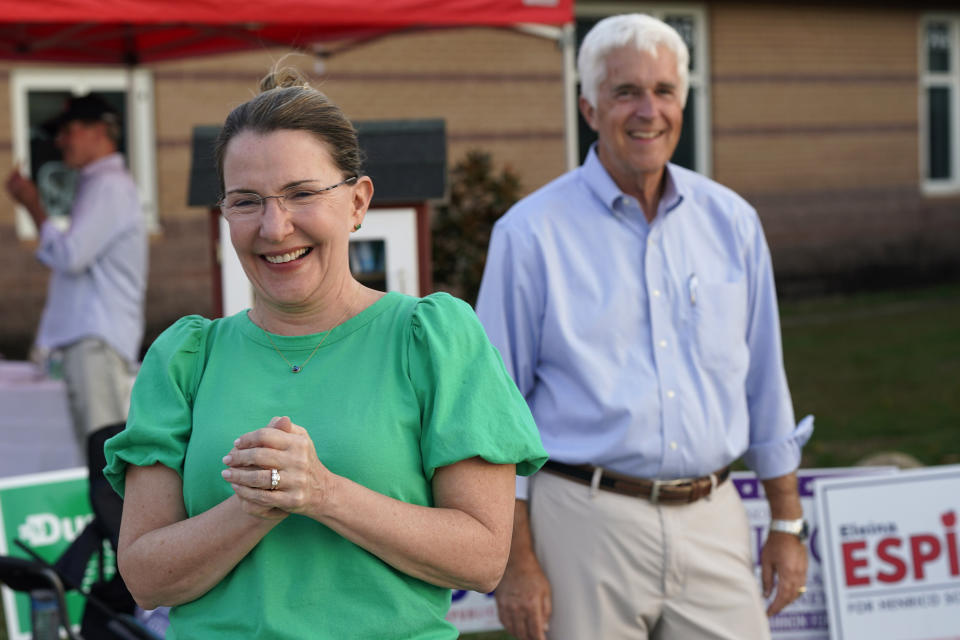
[838,122]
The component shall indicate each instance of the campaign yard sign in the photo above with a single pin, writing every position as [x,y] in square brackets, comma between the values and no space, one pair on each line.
[890,546]
[46,511]
[806,617]
[471,611]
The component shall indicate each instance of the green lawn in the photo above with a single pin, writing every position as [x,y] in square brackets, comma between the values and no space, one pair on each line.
[881,372]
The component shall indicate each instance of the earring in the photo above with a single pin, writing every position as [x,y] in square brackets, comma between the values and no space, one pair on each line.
[357,226]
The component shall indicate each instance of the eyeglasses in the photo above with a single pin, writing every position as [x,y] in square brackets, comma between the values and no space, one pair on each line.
[293,199]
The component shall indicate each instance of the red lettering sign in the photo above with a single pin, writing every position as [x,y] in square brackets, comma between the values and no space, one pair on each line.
[899,566]
[850,564]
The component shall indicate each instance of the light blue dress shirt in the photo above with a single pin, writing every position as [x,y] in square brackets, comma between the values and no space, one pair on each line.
[649,349]
[98,265]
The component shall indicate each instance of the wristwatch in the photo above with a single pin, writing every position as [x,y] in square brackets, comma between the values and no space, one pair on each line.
[798,527]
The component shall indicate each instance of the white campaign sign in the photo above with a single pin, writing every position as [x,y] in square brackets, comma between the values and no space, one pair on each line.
[890,547]
[472,611]
[806,617]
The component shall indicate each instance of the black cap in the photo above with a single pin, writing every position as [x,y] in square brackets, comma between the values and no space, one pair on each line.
[88,108]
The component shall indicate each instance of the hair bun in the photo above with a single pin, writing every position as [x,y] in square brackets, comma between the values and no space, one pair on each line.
[283,78]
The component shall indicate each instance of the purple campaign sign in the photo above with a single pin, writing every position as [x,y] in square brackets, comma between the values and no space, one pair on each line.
[806,618]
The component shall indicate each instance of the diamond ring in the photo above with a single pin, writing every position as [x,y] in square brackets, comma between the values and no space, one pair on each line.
[274,479]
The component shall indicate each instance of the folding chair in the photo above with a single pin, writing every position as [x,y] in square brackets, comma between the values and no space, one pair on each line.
[111,616]
[48,606]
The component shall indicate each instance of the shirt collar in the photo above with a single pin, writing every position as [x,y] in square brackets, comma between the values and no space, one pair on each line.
[672,195]
[599,181]
[110,162]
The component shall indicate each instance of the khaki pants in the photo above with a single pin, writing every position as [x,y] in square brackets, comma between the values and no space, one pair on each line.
[98,387]
[622,567]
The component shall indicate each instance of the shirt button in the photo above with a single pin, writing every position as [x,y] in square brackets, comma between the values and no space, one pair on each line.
[671,393]
[663,344]
[656,293]
[673,445]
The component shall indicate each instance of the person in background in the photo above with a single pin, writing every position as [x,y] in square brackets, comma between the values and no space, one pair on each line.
[633,302]
[94,314]
[333,461]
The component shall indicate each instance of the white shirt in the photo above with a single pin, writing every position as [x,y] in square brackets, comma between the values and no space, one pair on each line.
[99,264]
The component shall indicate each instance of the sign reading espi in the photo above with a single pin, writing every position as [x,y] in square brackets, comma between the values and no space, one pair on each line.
[891,547]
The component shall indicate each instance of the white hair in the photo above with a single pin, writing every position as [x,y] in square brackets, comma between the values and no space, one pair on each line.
[639,30]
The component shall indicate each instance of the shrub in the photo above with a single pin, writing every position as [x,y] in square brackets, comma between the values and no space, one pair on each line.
[461,229]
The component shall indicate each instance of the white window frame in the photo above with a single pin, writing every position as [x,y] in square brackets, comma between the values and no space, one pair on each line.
[140,134]
[699,76]
[951,81]
[396,227]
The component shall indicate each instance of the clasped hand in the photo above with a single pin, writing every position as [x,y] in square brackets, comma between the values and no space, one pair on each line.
[283,446]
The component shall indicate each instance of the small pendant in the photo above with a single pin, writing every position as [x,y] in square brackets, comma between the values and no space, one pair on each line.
[295,369]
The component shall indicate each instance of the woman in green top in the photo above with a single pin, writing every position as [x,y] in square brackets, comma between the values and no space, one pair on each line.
[331,462]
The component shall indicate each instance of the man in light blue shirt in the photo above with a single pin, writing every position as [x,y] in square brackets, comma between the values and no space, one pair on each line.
[95,298]
[633,303]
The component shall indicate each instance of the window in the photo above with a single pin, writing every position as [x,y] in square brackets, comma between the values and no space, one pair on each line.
[939,108]
[38,94]
[693,150]
[383,255]
[368,262]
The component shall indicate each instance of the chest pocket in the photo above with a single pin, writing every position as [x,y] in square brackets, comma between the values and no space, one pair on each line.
[720,325]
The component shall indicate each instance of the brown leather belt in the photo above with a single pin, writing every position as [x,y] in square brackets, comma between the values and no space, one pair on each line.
[679,491]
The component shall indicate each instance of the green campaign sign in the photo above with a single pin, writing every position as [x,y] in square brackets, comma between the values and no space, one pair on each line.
[46,511]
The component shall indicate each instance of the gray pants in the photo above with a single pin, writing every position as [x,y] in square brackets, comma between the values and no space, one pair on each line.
[98,387]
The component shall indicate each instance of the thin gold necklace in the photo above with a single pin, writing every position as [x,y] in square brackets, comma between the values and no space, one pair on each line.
[298,368]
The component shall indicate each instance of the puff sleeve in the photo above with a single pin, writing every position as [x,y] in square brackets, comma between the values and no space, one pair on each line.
[470,406]
[161,405]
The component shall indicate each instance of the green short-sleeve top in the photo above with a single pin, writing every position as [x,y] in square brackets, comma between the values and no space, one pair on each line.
[406,386]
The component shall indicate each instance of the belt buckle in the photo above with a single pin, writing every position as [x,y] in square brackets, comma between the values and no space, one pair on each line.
[655,491]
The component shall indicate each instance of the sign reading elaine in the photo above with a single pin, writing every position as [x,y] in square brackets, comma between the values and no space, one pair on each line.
[46,511]
[892,555]
[806,617]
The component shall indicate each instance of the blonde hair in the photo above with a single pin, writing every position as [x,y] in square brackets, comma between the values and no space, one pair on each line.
[287,101]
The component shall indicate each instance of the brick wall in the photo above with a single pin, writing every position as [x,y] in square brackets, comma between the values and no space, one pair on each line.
[815,121]
[497,89]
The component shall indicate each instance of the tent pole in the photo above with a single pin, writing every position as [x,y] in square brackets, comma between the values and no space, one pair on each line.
[565,37]
[570,110]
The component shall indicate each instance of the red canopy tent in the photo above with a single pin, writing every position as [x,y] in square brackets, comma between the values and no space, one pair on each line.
[138,32]
[142,31]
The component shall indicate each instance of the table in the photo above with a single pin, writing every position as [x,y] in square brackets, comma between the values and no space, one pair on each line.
[36,433]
